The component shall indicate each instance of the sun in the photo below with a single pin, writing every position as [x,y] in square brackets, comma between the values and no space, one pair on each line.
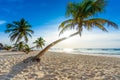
[67,50]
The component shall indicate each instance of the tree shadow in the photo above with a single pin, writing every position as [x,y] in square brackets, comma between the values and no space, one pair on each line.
[18,68]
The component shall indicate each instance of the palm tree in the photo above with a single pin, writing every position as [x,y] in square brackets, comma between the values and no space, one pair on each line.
[19,30]
[40,42]
[82,16]
[27,49]
[20,46]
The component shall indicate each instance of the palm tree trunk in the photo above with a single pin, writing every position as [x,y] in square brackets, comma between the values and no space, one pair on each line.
[32,47]
[52,44]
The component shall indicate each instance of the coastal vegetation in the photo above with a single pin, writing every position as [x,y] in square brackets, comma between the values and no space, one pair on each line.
[7,47]
[19,30]
[95,56]
[19,46]
[1,45]
[82,16]
[27,49]
[39,43]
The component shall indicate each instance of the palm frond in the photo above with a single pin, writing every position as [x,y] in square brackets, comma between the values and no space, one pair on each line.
[18,30]
[11,26]
[13,36]
[25,38]
[65,22]
[65,28]
[40,42]
[30,31]
[91,8]
[19,37]
[92,22]
[101,27]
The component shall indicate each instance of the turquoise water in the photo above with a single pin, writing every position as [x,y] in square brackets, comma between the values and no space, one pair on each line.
[109,51]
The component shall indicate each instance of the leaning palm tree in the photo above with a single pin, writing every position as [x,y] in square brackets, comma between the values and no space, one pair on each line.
[39,43]
[19,30]
[82,16]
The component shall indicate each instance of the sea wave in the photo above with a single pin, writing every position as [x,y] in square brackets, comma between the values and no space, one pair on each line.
[109,51]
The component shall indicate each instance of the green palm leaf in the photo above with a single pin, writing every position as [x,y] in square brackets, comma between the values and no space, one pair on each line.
[82,16]
[40,42]
[19,30]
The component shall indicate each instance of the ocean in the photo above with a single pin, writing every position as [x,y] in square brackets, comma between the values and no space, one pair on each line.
[89,51]
[103,51]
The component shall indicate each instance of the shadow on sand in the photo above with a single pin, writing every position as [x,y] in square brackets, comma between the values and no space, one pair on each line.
[18,68]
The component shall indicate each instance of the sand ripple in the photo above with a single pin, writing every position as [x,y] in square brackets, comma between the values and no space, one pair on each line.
[59,66]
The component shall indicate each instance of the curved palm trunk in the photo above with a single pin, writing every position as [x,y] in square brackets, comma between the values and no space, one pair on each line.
[52,44]
[32,47]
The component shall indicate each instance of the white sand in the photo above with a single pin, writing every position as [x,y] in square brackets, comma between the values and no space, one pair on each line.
[59,66]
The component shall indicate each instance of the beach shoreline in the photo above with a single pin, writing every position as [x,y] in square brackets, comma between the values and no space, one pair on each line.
[94,54]
[88,54]
[59,66]
[81,53]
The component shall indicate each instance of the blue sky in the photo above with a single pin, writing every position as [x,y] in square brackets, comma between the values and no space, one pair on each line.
[45,17]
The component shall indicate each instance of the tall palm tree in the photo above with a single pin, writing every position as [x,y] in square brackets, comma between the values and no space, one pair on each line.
[82,16]
[19,30]
[40,42]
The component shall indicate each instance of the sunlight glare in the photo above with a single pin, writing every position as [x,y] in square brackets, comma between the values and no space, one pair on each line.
[67,34]
[68,50]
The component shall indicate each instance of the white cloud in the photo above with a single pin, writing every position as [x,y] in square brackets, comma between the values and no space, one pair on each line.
[89,39]
[2,22]
[92,39]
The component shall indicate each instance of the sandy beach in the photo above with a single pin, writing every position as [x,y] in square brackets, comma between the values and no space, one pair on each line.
[58,66]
